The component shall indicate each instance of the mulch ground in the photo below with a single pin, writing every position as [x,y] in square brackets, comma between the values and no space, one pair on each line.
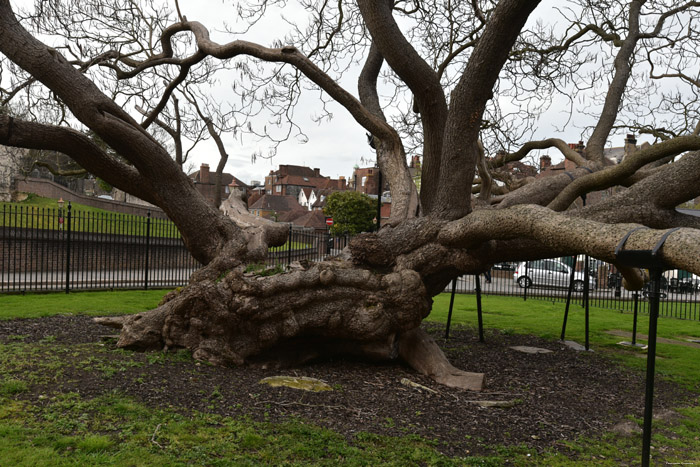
[555,396]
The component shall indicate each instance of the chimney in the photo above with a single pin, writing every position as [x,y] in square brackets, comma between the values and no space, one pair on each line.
[204,174]
[341,182]
[630,144]
[415,162]
[573,145]
[317,172]
[545,162]
[580,147]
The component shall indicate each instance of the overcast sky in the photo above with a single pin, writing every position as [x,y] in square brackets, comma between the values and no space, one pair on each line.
[335,146]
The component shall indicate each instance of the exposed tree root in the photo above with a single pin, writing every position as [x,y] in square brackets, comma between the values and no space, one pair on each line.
[420,351]
[290,318]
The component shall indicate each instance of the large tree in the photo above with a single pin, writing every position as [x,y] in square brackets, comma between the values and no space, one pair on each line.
[465,79]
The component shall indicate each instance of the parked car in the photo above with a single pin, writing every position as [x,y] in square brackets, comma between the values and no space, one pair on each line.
[550,273]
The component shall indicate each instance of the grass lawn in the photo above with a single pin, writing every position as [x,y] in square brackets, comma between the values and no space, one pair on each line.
[295,245]
[42,213]
[115,430]
[83,303]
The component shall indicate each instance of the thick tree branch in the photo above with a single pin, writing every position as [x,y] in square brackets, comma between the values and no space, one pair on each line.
[423,83]
[561,145]
[563,233]
[468,101]
[391,155]
[616,90]
[615,174]
[89,155]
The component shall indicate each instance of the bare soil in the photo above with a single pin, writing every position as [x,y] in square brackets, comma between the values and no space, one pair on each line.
[555,396]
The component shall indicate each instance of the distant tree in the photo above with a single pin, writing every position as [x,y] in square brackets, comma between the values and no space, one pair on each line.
[352,212]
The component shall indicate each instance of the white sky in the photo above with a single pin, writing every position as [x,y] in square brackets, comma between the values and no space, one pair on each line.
[335,146]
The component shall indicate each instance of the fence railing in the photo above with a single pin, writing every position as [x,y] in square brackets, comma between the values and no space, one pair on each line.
[62,249]
[549,279]
[50,249]
[308,245]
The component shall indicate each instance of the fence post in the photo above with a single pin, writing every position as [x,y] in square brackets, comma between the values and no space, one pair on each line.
[634,324]
[477,280]
[527,264]
[289,246]
[568,297]
[449,313]
[148,244]
[68,228]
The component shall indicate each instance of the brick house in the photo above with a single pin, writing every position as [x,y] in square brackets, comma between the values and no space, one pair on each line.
[204,182]
[277,208]
[290,180]
[365,180]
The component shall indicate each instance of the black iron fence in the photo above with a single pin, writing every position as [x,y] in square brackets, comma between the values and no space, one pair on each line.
[51,249]
[551,279]
[306,245]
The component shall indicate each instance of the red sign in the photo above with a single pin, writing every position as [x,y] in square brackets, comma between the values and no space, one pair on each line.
[329,221]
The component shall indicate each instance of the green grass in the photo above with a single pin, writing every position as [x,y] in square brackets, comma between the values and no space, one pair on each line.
[295,246]
[79,303]
[43,213]
[543,318]
[112,429]
[679,441]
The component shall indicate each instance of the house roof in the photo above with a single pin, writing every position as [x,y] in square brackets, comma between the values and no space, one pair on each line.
[295,170]
[315,219]
[279,204]
[298,180]
[226,179]
[291,216]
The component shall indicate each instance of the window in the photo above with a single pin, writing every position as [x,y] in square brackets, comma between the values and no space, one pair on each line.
[278,188]
[364,179]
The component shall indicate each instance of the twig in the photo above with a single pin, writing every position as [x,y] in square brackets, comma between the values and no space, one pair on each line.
[153,438]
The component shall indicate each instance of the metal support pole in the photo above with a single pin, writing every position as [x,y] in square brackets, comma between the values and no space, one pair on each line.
[379,201]
[568,298]
[527,264]
[289,246]
[478,307]
[449,313]
[654,296]
[586,290]
[634,324]
[148,248]
[68,229]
